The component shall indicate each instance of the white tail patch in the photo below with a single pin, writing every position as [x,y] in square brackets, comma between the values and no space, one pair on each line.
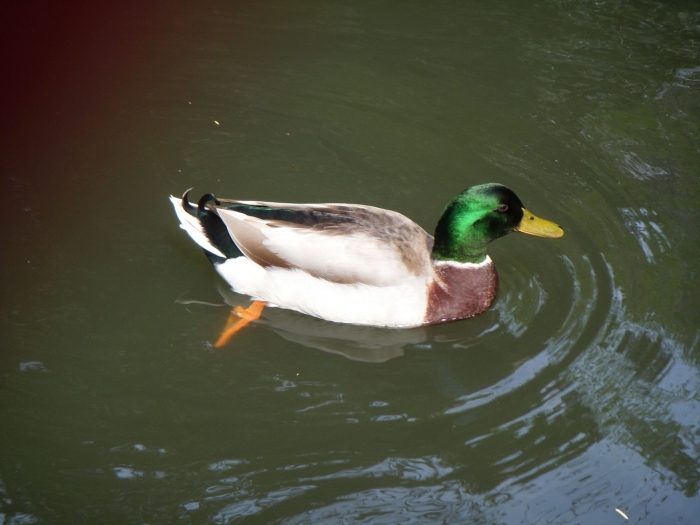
[193,227]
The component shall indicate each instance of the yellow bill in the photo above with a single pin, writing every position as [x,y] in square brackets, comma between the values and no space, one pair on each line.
[533,225]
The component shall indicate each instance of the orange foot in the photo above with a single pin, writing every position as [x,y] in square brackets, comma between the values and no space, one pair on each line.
[238,319]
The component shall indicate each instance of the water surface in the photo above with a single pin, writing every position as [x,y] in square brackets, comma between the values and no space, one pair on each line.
[577,394]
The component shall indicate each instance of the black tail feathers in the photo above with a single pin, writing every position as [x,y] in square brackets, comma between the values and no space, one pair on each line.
[201,209]
[214,228]
[203,202]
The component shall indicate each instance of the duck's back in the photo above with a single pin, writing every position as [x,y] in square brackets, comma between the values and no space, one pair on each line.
[340,243]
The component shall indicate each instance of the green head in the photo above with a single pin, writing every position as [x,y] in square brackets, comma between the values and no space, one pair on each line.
[480,215]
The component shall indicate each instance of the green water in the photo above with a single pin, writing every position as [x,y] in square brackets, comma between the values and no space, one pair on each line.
[577,394]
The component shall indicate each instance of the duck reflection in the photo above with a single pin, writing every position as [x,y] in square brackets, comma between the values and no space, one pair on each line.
[358,343]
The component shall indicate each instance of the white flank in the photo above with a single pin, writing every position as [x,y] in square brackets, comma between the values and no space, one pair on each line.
[193,227]
[401,305]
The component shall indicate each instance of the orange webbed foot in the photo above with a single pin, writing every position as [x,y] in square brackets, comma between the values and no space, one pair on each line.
[238,319]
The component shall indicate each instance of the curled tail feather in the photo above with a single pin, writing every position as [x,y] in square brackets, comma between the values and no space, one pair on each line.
[205,227]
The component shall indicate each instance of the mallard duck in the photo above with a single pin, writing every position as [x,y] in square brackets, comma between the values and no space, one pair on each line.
[358,264]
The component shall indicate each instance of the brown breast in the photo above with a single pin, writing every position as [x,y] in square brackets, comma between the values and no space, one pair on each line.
[460,292]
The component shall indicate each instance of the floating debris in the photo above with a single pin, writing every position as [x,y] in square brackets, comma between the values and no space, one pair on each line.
[32,366]
[622,514]
[127,473]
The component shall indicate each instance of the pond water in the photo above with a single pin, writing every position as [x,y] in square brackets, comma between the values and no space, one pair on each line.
[574,399]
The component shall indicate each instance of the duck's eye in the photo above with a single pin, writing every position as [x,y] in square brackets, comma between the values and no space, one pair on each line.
[502,207]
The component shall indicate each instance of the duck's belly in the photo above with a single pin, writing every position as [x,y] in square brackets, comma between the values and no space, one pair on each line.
[403,305]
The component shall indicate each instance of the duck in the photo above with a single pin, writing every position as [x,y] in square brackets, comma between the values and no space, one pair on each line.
[358,264]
